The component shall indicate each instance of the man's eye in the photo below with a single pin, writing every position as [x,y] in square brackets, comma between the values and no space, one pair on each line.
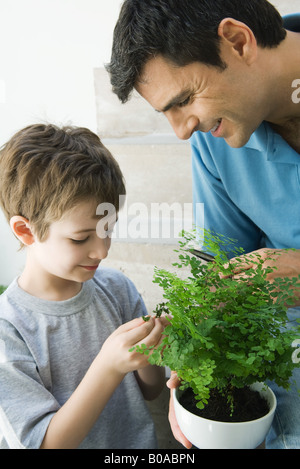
[79,241]
[185,102]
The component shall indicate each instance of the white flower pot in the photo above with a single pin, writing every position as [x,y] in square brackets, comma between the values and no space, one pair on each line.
[210,434]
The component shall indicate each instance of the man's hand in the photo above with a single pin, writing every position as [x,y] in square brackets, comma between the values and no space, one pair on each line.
[286,263]
[178,435]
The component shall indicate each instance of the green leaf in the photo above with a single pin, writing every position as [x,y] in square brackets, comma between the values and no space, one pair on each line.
[223,332]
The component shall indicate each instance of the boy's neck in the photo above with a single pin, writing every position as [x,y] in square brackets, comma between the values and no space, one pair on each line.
[47,287]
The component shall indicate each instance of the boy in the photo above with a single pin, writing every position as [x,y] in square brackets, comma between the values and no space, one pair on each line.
[67,377]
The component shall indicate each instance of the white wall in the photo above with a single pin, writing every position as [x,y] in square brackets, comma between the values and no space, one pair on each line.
[48,52]
[48,49]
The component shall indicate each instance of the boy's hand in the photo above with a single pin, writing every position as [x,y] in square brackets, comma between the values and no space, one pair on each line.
[115,350]
[72,422]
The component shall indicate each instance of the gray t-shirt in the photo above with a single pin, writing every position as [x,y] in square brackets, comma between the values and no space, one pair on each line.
[46,348]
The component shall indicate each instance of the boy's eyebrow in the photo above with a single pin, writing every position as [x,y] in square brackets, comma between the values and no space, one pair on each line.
[87,230]
[176,100]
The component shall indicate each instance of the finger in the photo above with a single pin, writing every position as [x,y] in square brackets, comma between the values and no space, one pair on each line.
[154,336]
[130,325]
[135,330]
[173,381]
[178,435]
[165,320]
[236,267]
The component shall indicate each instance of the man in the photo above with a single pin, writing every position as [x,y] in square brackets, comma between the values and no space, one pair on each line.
[226,74]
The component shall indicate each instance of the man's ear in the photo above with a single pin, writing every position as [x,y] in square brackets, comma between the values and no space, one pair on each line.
[240,38]
[21,228]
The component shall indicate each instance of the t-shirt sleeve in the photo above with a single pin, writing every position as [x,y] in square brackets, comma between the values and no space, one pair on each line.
[122,293]
[131,300]
[26,406]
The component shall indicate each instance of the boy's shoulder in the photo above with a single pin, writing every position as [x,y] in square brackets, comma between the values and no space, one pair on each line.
[114,280]
[120,289]
[107,284]
[8,308]
[103,273]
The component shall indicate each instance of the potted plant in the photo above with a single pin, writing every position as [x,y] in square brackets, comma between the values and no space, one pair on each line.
[226,338]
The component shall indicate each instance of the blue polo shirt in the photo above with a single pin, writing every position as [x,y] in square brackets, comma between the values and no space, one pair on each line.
[251,194]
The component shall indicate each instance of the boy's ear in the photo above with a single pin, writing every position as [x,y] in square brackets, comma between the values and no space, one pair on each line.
[240,38]
[21,228]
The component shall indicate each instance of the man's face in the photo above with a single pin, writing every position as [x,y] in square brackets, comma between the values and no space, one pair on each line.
[227,103]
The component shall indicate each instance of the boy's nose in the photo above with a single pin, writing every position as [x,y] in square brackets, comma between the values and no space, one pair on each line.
[100,249]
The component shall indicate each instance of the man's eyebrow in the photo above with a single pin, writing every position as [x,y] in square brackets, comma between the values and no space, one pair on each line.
[176,100]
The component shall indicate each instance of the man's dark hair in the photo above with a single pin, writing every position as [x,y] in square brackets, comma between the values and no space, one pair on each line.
[183,32]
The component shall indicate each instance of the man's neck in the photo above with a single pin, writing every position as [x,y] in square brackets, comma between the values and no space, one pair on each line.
[290,132]
[285,115]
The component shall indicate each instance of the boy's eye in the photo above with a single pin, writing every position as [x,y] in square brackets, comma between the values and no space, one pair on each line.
[79,241]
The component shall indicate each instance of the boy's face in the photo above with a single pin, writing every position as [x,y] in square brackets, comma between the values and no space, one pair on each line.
[72,250]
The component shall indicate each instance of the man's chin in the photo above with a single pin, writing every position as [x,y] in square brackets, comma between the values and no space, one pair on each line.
[237,141]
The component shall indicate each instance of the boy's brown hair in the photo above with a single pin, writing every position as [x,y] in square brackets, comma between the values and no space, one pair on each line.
[46,170]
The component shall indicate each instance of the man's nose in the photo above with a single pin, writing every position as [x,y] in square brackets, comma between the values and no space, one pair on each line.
[184,127]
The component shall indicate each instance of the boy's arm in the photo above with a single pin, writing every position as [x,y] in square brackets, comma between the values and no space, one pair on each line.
[151,381]
[72,422]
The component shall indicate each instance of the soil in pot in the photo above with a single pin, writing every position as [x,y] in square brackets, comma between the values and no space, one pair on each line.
[248,405]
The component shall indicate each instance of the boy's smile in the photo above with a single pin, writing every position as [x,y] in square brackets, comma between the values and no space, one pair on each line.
[69,256]
[88,267]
